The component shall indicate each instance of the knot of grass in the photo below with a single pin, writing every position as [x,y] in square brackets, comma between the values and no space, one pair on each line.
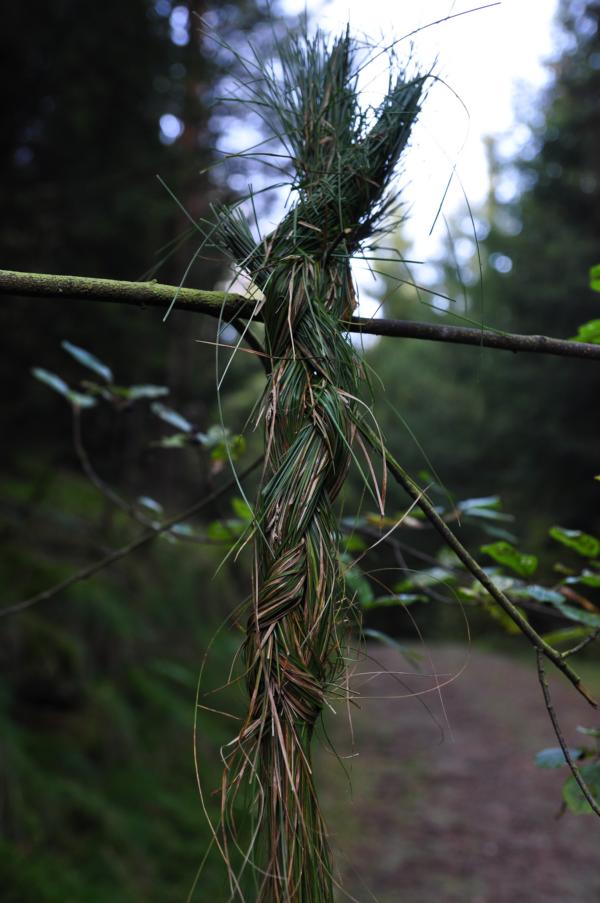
[344,158]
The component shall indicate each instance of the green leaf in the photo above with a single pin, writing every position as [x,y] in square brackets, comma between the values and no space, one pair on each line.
[587,577]
[183,530]
[354,543]
[52,380]
[177,440]
[225,530]
[595,278]
[88,360]
[573,796]
[237,447]
[448,558]
[358,586]
[588,332]
[553,757]
[539,593]
[151,504]
[216,435]
[498,614]
[221,443]
[243,510]
[353,523]
[496,532]
[582,543]
[433,576]
[507,554]
[488,501]
[489,514]
[503,582]
[145,391]
[79,400]
[171,417]
[579,615]
[589,731]
[233,446]
[486,508]
[219,452]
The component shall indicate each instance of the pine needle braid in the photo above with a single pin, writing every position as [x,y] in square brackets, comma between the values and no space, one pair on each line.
[344,160]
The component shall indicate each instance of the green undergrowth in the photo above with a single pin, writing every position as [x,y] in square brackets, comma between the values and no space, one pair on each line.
[98,791]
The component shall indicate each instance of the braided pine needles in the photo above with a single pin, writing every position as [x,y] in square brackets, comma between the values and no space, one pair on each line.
[344,158]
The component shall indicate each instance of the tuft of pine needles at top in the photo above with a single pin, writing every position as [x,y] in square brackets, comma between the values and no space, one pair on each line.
[344,159]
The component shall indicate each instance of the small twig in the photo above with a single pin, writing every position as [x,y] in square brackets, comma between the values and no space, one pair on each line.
[220,304]
[397,549]
[582,645]
[471,565]
[95,478]
[559,736]
[109,493]
[122,552]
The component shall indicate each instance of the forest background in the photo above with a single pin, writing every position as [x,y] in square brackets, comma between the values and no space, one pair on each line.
[98,789]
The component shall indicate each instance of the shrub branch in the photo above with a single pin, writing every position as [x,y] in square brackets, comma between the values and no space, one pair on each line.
[142,540]
[401,476]
[559,736]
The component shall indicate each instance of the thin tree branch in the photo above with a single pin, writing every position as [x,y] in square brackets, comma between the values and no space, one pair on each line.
[227,304]
[590,638]
[484,338]
[142,540]
[399,547]
[95,478]
[471,565]
[127,507]
[559,736]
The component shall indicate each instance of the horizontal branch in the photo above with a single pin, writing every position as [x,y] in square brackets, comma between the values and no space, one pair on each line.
[484,338]
[140,294]
[228,304]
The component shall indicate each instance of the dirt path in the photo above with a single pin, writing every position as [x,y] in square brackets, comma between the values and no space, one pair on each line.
[467,817]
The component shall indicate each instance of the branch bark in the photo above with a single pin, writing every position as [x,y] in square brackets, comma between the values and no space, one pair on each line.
[230,304]
[139,294]
[484,338]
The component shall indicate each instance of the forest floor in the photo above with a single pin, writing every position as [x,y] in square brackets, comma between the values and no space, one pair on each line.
[448,806]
